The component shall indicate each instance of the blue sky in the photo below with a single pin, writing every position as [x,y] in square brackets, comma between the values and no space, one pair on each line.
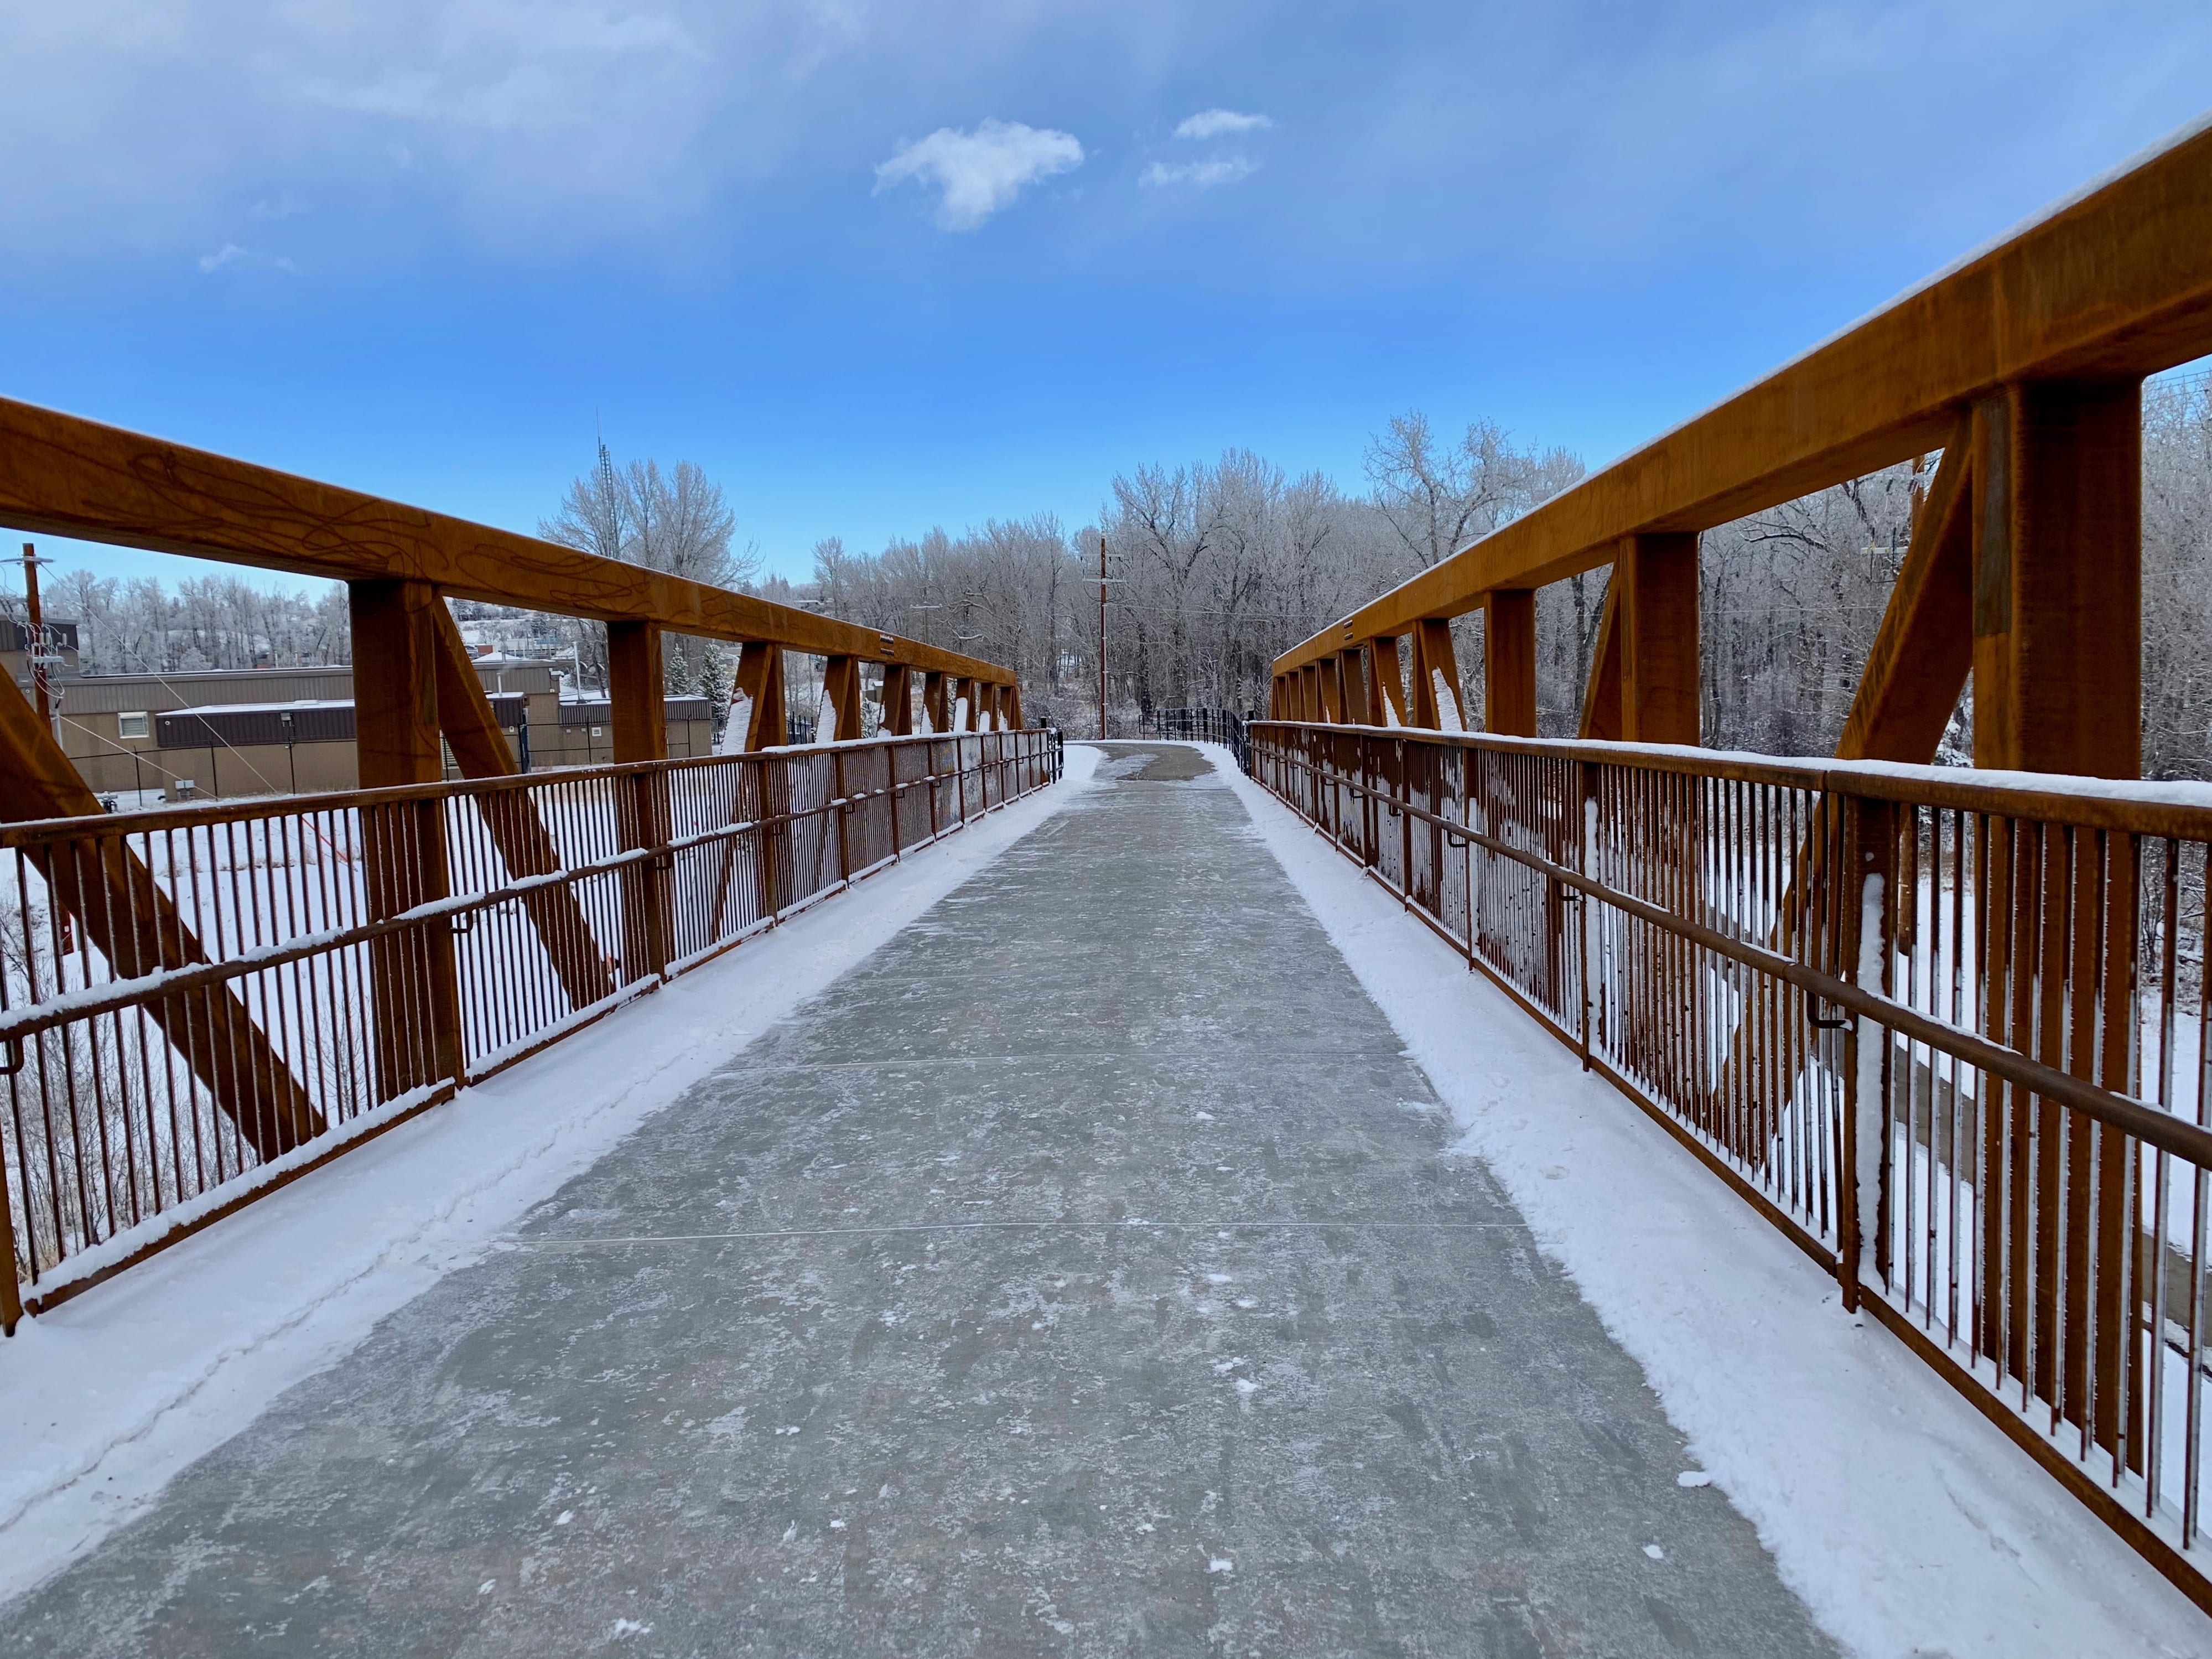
[879,267]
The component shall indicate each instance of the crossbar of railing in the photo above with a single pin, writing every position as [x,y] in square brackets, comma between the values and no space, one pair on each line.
[383,953]
[1949,1033]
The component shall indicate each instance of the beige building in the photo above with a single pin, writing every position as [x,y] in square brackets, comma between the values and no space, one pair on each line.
[140,739]
[585,734]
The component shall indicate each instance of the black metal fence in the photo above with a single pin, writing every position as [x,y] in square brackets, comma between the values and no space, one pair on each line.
[1222,725]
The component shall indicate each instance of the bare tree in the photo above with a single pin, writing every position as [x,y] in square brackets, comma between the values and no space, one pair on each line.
[1437,498]
[677,521]
[594,518]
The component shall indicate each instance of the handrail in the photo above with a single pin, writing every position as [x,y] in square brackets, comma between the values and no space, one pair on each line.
[30,1019]
[2178,809]
[241,808]
[2122,1111]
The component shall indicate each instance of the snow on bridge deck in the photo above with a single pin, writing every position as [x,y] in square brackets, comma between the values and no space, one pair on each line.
[1080,1273]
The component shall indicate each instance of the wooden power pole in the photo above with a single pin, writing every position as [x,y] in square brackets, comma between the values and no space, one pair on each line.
[37,639]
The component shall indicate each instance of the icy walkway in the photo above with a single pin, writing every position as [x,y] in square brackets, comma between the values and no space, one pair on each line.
[1079,1276]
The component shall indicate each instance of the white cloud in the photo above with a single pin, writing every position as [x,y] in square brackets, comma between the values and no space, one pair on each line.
[533,124]
[1219,123]
[495,65]
[1200,175]
[231,256]
[530,129]
[980,172]
[1216,170]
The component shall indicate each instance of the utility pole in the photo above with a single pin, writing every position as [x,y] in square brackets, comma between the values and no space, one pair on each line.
[37,640]
[1101,637]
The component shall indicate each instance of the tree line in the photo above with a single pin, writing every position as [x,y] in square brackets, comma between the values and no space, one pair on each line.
[1214,568]
[143,626]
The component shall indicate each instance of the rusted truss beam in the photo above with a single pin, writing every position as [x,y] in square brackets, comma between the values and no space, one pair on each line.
[897,700]
[2114,286]
[126,915]
[1924,648]
[758,697]
[480,748]
[840,696]
[65,476]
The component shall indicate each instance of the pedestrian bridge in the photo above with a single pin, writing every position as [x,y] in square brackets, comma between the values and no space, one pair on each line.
[1088,1267]
[1068,1276]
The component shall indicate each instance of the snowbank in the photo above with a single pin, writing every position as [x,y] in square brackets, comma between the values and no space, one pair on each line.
[104,1399]
[1906,1522]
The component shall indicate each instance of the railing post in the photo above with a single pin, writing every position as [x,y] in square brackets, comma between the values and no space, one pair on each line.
[11,1287]
[1401,792]
[646,827]
[1467,760]
[935,780]
[641,734]
[1581,799]
[1432,770]
[844,811]
[1352,675]
[414,977]
[1370,850]
[2056,488]
[1868,901]
[892,791]
[773,773]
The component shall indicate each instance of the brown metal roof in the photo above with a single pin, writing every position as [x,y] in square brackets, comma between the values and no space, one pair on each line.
[243,726]
[598,711]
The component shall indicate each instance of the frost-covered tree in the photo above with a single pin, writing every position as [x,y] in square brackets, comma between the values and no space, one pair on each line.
[677,521]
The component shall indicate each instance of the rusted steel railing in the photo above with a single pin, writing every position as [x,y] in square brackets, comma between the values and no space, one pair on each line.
[354,957]
[1948,1033]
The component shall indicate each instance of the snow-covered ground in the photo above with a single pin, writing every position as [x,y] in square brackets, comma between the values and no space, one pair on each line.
[104,1399]
[1907,1523]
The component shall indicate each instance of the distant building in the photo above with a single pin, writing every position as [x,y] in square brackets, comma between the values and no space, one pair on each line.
[137,738]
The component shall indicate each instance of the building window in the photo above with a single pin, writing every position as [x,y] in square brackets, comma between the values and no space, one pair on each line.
[595,731]
[133,725]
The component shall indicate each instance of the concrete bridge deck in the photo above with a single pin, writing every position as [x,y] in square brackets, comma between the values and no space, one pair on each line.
[1084,1275]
